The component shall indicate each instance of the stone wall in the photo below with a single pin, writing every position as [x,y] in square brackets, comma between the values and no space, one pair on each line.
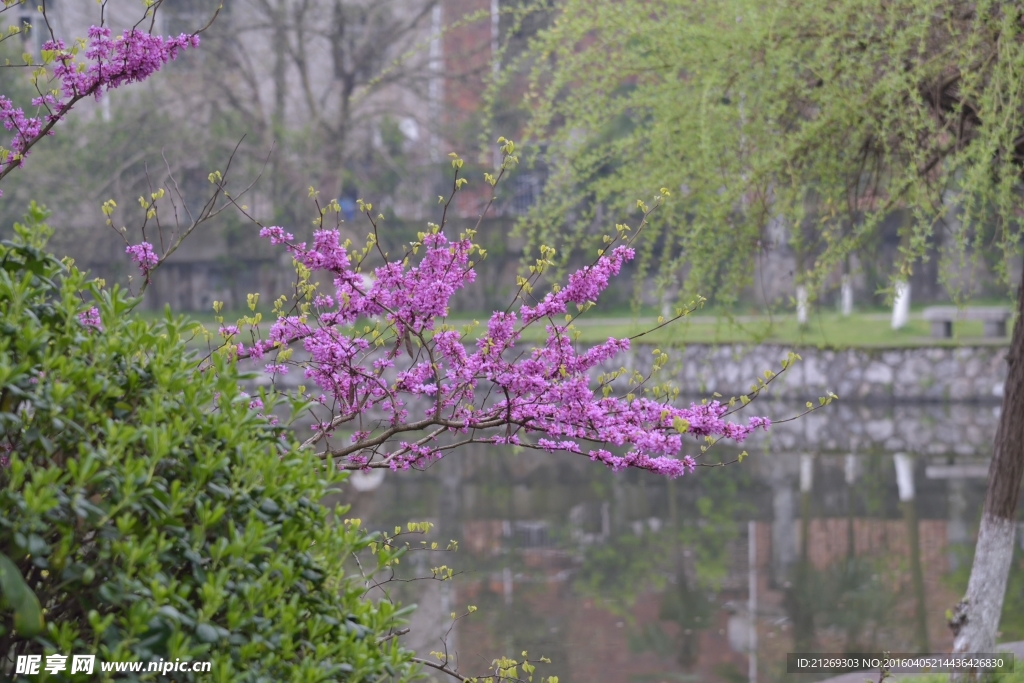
[867,376]
[970,373]
[926,429]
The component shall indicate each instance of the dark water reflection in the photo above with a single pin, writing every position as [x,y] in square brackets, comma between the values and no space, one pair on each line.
[851,534]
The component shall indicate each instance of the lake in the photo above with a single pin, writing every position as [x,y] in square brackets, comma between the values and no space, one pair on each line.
[850,530]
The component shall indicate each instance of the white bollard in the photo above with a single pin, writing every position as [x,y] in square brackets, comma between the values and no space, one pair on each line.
[904,476]
[806,472]
[846,296]
[801,304]
[901,305]
[850,469]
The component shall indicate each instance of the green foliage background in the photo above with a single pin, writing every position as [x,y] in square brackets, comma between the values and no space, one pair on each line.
[825,116]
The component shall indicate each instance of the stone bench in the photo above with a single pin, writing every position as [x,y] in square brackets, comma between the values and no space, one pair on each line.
[942,317]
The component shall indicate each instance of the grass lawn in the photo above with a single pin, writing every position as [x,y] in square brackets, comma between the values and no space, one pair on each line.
[824,330]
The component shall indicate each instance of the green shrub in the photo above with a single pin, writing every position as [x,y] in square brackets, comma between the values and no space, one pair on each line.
[153,512]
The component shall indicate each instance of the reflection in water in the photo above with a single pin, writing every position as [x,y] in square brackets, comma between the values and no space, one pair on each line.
[905,485]
[832,544]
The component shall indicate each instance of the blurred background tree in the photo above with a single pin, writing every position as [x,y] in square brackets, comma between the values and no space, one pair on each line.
[826,127]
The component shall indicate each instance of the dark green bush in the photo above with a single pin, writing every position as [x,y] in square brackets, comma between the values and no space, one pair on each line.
[153,513]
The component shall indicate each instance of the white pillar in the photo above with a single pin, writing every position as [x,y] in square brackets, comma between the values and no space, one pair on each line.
[806,472]
[901,305]
[846,296]
[850,469]
[904,476]
[801,304]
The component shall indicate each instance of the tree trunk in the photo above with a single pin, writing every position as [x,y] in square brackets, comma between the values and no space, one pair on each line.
[976,619]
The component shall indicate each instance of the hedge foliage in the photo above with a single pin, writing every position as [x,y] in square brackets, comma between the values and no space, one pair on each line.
[153,512]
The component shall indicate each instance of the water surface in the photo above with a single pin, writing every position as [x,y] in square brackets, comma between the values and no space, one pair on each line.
[848,532]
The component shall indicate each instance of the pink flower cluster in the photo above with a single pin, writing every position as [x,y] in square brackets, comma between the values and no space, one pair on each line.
[91,318]
[144,256]
[432,380]
[27,127]
[110,62]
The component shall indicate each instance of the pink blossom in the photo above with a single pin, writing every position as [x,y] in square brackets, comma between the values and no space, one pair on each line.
[277,235]
[109,63]
[144,256]
[255,351]
[544,398]
[91,318]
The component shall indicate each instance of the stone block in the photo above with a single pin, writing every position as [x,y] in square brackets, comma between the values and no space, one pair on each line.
[879,430]
[878,373]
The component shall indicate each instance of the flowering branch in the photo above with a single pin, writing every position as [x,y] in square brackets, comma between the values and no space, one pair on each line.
[144,254]
[109,62]
[410,387]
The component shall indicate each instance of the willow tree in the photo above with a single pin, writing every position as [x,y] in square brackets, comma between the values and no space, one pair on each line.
[824,115]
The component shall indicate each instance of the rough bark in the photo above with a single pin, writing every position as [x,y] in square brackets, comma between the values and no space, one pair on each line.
[975,621]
